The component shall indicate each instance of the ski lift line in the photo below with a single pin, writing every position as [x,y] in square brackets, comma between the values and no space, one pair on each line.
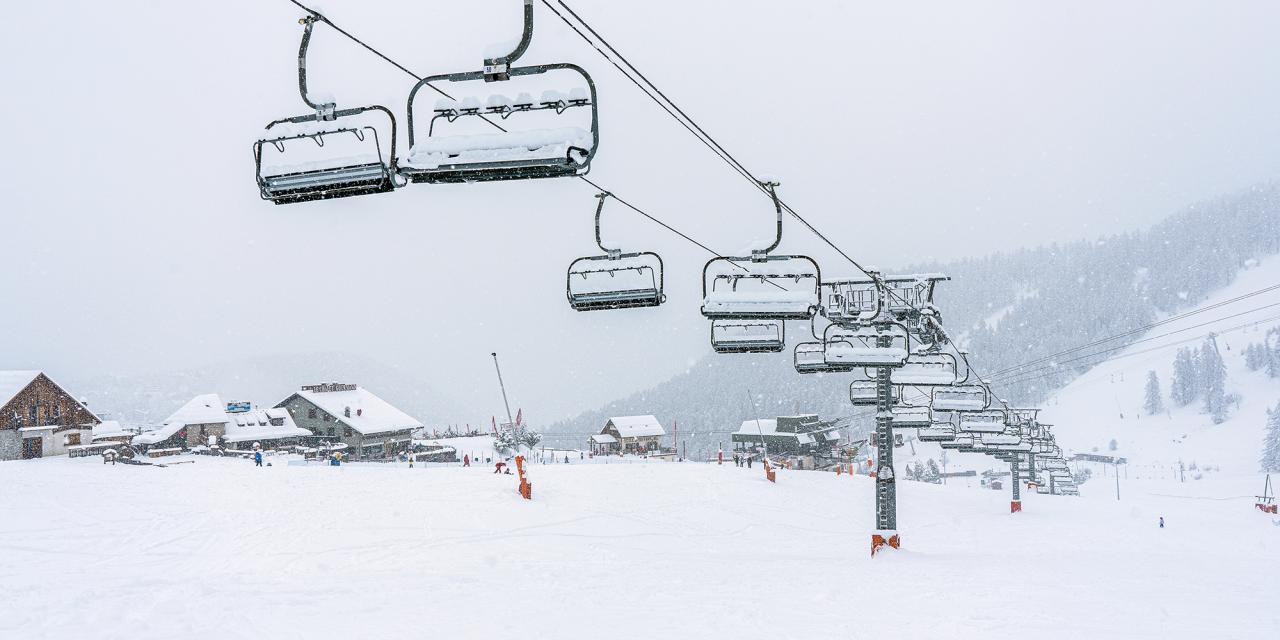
[318,16]
[1037,376]
[1118,347]
[690,124]
[1141,329]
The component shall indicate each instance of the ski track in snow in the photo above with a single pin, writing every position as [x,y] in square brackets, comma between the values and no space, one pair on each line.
[220,549]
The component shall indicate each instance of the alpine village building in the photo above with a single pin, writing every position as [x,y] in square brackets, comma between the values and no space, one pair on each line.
[38,418]
[369,426]
[628,434]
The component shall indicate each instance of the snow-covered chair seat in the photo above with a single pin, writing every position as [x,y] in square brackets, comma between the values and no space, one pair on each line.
[780,304]
[539,153]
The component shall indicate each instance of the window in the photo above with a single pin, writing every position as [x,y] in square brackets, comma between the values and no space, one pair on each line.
[311,413]
[57,411]
[35,415]
[328,418]
[346,432]
[330,430]
[73,438]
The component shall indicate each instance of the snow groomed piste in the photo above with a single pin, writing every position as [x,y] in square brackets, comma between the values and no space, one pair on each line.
[886,330]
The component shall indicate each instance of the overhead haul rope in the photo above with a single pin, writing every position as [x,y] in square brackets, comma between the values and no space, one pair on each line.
[1137,330]
[672,109]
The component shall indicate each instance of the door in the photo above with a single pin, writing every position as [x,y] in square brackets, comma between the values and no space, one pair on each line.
[32,448]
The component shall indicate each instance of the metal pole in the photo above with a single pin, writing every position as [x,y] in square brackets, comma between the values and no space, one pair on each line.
[1016,505]
[510,421]
[886,487]
[1117,470]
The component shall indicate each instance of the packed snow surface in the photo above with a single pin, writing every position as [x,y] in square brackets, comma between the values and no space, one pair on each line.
[220,549]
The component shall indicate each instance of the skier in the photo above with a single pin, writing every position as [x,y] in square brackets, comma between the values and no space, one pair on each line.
[497,468]
[466,460]
[748,462]
[257,458]
[1161,522]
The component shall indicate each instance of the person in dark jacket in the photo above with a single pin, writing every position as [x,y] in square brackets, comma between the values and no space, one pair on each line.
[257,458]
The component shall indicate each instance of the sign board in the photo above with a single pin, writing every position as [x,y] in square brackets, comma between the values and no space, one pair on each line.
[239,407]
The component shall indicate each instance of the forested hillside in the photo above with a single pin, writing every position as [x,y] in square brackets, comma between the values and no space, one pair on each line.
[1006,309]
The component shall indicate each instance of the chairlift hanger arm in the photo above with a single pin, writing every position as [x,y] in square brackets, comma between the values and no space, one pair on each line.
[772,188]
[612,253]
[497,69]
[323,111]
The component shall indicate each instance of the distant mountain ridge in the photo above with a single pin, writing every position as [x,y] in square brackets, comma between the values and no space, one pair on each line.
[1005,309]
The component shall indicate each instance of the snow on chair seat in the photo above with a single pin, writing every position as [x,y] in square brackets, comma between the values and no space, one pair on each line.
[556,149]
[810,357]
[961,442]
[937,433]
[960,398]
[748,336]
[927,370]
[863,393]
[983,422]
[760,287]
[912,417]
[861,347]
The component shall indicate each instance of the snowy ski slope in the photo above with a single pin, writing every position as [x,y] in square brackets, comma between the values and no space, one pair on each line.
[1106,402]
[220,549]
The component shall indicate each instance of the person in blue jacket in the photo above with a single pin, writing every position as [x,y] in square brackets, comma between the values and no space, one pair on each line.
[257,458]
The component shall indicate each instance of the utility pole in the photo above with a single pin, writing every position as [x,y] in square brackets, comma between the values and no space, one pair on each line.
[510,421]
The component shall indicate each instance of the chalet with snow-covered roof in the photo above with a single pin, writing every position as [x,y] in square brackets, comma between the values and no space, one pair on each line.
[369,426]
[628,434]
[205,421]
[38,418]
[788,435]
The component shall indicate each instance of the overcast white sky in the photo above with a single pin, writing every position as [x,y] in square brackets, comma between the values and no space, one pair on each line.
[133,238]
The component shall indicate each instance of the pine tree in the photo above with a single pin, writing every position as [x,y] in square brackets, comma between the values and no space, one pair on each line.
[1271,443]
[1254,356]
[1184,378]
[932,475]
[1213,377]
[1154,403]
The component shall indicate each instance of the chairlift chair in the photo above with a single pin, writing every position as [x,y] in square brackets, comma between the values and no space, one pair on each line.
[810,357]
[885,345]
[932,370]
[761,286]
[863,393]
[505,154]
[748,336]
[962,442]
[313,157]
[937,432]
[911,417]
[990,421]
[615,280]
[973,397]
